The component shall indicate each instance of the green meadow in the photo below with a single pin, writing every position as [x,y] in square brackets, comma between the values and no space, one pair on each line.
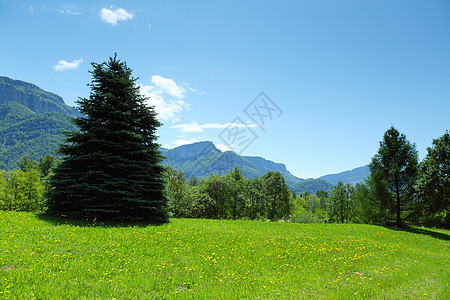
[43,258]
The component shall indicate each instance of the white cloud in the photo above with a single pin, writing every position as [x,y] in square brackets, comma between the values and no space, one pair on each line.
[224,148]
[195,127]
[63,65]
[169,86]
[191,127]
[180,142]
[29,7]
[114,15]
[70,10]
[166,96]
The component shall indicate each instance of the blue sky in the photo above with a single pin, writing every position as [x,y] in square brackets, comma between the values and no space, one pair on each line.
[337,74]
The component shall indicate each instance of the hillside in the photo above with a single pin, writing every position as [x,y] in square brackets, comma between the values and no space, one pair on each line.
[312,186]
[31,121]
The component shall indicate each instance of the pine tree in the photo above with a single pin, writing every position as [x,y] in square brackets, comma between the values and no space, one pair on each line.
[393,172]
[112,166]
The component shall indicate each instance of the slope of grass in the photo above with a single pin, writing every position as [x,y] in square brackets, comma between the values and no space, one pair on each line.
[41,258]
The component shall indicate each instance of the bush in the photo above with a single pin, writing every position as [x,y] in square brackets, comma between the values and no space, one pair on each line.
[22,190]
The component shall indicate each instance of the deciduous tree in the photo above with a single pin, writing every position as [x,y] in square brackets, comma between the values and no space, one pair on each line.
[433,180]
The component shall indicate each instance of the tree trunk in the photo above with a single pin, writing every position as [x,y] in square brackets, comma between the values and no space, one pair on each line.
[398,221]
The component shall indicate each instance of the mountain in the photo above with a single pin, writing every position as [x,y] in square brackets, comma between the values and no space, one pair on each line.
[32,97]
[203,159]
[31,121]
[353,176]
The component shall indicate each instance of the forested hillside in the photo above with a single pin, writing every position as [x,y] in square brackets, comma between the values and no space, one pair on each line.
[32,97]
[31,121]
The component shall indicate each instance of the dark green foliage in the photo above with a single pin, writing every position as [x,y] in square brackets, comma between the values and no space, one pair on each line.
[111,169]
[433,182]
[229,196]
[393,172]
[46,164]
[220,190]
[255,199]
[340,204]
[26,164]
[277,194]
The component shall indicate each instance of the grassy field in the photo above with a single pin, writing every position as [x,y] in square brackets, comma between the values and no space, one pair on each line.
[212,259]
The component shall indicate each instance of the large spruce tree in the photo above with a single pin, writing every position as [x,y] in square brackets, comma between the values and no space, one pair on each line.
[393,172]
[112,166]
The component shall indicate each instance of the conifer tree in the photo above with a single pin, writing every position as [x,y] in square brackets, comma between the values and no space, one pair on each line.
[393,172]
[112,166]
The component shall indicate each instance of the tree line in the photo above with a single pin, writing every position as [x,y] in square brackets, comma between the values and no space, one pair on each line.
[399,190]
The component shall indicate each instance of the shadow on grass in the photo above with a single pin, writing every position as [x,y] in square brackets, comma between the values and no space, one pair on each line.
[90,223]
[417,230]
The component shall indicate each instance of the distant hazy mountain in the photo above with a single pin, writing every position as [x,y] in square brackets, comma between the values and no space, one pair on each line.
[203,159]
[353,176]
[31,121]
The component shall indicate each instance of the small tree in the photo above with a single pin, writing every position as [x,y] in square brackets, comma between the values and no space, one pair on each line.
[238,199]
[177,192]
[23,191]
[278,196]
[365,206]
[393,172]
[112,166]
[340,204]
[255,200]
[26,164]
[220,190]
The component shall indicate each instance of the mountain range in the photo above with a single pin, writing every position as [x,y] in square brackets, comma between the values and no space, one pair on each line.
[203,158]
[31,122]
